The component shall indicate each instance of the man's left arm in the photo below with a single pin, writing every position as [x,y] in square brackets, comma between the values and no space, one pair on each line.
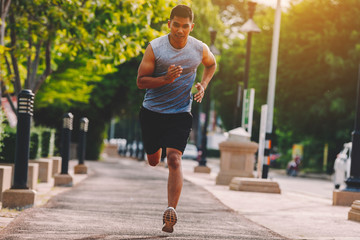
[209,62]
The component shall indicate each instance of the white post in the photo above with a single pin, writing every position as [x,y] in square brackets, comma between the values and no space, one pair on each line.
[245,111]
[272,81]
[251,110]
[273,68]
[248,109]
[262,133]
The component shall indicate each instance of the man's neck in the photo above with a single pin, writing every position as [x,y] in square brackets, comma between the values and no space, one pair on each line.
[176,45]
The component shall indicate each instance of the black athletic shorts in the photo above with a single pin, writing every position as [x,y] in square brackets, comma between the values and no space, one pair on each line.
[164,130]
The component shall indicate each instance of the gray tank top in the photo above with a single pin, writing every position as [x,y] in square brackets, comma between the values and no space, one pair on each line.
[174,97]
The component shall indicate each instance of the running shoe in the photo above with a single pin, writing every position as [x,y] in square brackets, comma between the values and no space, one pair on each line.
[169,220]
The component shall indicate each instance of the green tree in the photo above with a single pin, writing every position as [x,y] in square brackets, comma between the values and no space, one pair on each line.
[226,82]
[316,76]
[107,32]
[232,62]
[319,55]
[4,9]
[102,91]
[317,68]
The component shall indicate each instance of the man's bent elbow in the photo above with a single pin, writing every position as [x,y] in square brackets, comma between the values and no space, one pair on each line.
[212,66]
[139,83]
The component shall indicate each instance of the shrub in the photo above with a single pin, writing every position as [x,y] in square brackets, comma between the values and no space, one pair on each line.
[34,144]
[7,153]
[2,128]
[41,142]
[47,142]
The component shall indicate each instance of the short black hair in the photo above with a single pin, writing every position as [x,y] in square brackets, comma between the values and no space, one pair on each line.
[182,11]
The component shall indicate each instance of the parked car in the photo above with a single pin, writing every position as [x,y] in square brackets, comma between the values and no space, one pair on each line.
[342,165]
[190,152]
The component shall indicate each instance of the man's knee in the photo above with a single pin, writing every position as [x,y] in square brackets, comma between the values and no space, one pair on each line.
[174,160]
[154,159]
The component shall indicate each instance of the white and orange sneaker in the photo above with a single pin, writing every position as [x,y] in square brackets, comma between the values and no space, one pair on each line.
[169,220]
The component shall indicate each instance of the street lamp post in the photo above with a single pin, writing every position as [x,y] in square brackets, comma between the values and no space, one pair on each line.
[249,27]
[271,88]
[353,182]
[202,163]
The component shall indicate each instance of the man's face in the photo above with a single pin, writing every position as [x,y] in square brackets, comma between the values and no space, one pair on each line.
[180,29]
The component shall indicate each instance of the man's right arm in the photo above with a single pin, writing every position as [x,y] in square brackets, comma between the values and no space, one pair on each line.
[146,69]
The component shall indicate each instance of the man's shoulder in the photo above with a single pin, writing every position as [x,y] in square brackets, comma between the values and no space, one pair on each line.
[195,40]
[158,40]
[198,44]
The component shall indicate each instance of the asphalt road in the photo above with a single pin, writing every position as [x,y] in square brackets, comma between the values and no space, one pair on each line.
[125,199]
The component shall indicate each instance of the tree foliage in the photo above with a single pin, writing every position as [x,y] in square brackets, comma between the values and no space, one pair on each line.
[316,76]
[319,58]
[106,32]
[226,82]
[98,79]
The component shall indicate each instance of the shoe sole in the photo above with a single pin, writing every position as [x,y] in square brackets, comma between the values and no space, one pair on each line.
[169,219]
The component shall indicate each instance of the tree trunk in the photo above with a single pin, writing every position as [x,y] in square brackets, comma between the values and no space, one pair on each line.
[34,67]
[5,4]
[47,70]
[4,9]
[17,83]
[28,60]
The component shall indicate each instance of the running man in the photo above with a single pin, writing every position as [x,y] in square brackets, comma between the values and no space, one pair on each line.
[167,72]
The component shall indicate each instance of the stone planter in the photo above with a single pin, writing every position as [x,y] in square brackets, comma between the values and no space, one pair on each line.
[33,173]
[237,157]
[56,165]
[5,178]
[237,160]
[45,168]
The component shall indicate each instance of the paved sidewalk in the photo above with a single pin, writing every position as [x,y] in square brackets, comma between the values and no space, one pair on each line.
[302,211]
[125,199]
[44,192]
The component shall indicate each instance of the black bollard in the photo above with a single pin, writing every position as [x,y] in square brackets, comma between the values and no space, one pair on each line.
[24,113]
[126,150]
[20,196]
[65,142]
[137,151]
[84,124]
[81,168]
[130,149]
[123,150]
[142,152]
